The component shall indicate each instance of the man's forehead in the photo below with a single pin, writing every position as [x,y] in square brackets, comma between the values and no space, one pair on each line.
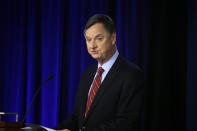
[93,35]
[95,29]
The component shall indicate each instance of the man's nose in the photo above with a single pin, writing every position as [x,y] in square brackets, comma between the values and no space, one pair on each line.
[93,44]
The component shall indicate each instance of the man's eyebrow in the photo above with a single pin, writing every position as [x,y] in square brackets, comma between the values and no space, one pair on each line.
[87,37]
[98,35]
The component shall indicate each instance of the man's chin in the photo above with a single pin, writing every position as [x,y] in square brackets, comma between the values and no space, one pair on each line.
[95,57]
[99,59]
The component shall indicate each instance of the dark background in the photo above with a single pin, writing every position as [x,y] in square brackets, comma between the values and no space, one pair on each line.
[43,37]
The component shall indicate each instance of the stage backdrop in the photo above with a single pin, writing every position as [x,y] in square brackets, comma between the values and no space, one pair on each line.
[43,37]
[192,67]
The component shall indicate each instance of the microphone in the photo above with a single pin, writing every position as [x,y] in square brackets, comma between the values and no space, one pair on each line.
[37,91]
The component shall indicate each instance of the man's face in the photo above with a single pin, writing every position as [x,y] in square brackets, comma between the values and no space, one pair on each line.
[100,44]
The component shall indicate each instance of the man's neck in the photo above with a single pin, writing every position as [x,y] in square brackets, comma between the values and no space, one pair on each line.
[103,62]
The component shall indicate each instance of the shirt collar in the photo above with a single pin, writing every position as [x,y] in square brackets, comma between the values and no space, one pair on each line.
[107,65]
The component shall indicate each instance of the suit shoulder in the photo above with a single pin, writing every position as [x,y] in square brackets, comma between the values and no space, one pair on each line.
[130,71]
[130,74]
[89,70]
[128,66]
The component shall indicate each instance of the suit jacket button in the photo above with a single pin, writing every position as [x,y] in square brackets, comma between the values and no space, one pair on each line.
[83,128]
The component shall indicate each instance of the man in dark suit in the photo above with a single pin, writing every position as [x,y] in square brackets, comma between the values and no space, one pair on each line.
[109,94]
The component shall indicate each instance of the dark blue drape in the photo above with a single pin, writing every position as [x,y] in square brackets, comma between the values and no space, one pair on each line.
[191,67]
[43,37]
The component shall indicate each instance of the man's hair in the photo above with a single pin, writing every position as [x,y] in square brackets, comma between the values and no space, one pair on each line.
[104,19]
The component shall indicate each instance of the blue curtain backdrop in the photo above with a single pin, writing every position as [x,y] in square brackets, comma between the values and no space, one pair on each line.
[192,67]
[43,37]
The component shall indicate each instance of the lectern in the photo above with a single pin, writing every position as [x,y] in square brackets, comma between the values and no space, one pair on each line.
[10,126]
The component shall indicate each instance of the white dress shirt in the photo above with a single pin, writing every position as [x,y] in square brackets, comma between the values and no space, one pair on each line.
[106,66]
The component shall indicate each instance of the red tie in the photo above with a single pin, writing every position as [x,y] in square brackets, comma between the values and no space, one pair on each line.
[95,86]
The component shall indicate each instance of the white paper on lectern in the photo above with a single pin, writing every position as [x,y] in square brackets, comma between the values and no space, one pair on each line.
[29,128]
[48,129]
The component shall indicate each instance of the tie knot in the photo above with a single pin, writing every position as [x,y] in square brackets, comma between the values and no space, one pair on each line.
[100,71]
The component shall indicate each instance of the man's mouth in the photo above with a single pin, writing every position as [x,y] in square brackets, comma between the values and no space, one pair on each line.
[94,52]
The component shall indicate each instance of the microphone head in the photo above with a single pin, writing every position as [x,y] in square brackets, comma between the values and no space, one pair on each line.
[50,77]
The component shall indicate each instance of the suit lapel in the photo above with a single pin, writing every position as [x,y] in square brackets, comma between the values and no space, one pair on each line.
[86,90]
[103,87]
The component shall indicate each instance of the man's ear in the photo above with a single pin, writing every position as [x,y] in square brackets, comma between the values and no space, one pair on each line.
[113,38]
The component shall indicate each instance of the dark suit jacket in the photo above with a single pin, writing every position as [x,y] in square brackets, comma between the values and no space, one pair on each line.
[116,106]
